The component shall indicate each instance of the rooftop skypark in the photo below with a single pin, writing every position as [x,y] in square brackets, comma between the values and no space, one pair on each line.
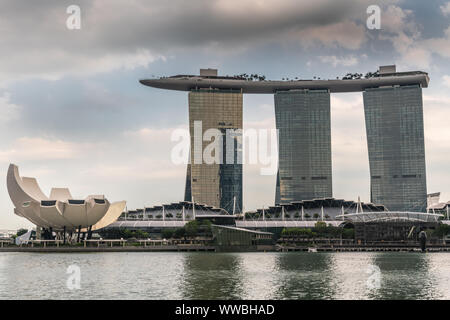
[254,83]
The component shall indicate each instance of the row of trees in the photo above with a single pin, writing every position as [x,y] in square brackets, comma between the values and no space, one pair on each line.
[320,230]
[250,77]
[441,231]
[125,234]
[350,76]
[191,229]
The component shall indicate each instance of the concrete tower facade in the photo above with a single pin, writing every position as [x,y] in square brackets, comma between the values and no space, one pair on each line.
[395,138]
[304,146]
[215,184]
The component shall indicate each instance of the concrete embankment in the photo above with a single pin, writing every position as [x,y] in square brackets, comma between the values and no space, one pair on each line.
[197,248]
[362,249]
[68,249]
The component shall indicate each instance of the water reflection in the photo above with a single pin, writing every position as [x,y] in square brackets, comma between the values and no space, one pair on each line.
[439,269]
[304,276]
[383,275]
[226,275]
[260,275]
[212,276]
[350,275]
[405,276]
[103,276]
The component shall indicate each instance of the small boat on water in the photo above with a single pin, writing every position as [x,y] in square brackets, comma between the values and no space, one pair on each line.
[312,249]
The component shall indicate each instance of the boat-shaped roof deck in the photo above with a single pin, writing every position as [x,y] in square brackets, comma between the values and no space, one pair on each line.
[193,82]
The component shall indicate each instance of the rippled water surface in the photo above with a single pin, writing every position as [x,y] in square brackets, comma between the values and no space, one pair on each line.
[227,276]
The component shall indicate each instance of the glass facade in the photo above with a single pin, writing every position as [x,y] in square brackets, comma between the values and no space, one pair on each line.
[187,189]
[303,121]
[230,174]
[216,184]
[395,138]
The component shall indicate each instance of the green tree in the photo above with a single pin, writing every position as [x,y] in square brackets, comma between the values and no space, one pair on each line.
[191,228]
[299,232]
[139,234]
[179,233]
[320,224]
[348,233]
[167,233]
[442,230]
[127,233]
[21,231]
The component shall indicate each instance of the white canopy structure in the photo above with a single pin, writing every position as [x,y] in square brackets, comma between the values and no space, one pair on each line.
[59,211]
[390,216]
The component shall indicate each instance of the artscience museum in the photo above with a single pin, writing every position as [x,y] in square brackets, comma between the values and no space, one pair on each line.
[59,212]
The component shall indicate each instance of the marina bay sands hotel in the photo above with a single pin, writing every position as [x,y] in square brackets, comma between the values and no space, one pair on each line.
[394,125]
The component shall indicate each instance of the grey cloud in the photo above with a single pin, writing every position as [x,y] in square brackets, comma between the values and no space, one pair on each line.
[35,41]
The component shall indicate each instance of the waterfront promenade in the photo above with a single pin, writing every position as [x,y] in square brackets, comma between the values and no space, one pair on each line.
[283,245]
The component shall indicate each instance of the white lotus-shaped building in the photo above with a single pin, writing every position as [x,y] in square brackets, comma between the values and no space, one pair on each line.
[59,211]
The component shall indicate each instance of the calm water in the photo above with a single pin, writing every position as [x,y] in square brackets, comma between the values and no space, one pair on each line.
[227,276]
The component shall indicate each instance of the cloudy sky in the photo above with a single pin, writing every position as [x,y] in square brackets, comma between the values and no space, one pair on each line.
[73,113]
